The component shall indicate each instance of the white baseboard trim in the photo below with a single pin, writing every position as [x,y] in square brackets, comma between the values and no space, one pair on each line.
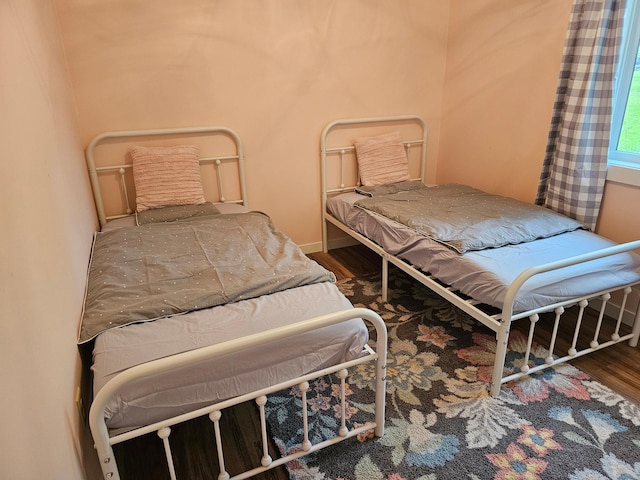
[308,248]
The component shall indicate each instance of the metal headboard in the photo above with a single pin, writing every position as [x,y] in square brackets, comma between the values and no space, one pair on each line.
[124,169]
[346,152]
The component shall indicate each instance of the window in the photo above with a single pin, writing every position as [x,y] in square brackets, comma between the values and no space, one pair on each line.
[624,148]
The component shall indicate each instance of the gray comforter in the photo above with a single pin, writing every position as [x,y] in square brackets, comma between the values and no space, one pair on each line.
[162,269]
[462,217]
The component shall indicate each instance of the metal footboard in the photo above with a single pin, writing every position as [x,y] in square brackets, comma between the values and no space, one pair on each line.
[104,442]
[596,343]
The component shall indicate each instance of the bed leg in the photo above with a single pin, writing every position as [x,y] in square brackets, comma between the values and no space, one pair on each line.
[108,463]
[381,374]
[103,447]
[380,407]
[385,279]
[325,237]
[636,328]
[502,339]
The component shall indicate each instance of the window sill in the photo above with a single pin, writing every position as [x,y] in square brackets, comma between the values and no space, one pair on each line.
[626,173]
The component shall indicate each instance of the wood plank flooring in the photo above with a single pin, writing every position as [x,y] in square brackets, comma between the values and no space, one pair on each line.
[617,367]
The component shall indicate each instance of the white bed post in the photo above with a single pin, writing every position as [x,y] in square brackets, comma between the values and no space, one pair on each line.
[502,340]
[381,371]
[100,435]
[323,180]
[107,461]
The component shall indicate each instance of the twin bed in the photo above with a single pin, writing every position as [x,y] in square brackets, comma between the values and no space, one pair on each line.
[195,303]
[497,259]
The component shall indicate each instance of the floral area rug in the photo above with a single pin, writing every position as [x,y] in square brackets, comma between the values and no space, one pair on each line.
[440,421]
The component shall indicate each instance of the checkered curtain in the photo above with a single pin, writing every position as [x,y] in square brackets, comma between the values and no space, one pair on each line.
[574,169]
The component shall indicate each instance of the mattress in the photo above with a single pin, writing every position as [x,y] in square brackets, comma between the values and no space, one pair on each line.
[187,389]
[485,275]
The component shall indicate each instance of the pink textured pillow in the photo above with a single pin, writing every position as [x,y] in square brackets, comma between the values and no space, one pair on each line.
[382,159]
[166,176]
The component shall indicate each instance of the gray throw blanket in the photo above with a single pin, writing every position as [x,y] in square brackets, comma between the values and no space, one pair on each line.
[464,218]
[161,269]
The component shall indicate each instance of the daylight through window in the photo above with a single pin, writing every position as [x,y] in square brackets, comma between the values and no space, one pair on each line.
[625,125]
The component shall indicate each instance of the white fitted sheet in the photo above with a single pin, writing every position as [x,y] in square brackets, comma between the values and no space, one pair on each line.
[485,275]
[187,389]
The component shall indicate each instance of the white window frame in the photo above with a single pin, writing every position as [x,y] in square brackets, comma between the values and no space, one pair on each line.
[624,167]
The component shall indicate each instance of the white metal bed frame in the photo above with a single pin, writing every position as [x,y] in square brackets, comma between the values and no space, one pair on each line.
[500,323]
[104,439]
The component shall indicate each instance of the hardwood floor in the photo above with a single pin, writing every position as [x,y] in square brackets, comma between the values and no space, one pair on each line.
[617,367]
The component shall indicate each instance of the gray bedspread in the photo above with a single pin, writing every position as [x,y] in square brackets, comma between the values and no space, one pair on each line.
[158,270]
[465,218]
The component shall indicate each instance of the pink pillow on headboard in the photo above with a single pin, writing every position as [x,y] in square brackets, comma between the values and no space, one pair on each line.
[382,159]
[166,176]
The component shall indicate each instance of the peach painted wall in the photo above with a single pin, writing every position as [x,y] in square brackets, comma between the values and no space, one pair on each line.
[47,223]
[618,213]
[274,71]
[502,69]
[503,59]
